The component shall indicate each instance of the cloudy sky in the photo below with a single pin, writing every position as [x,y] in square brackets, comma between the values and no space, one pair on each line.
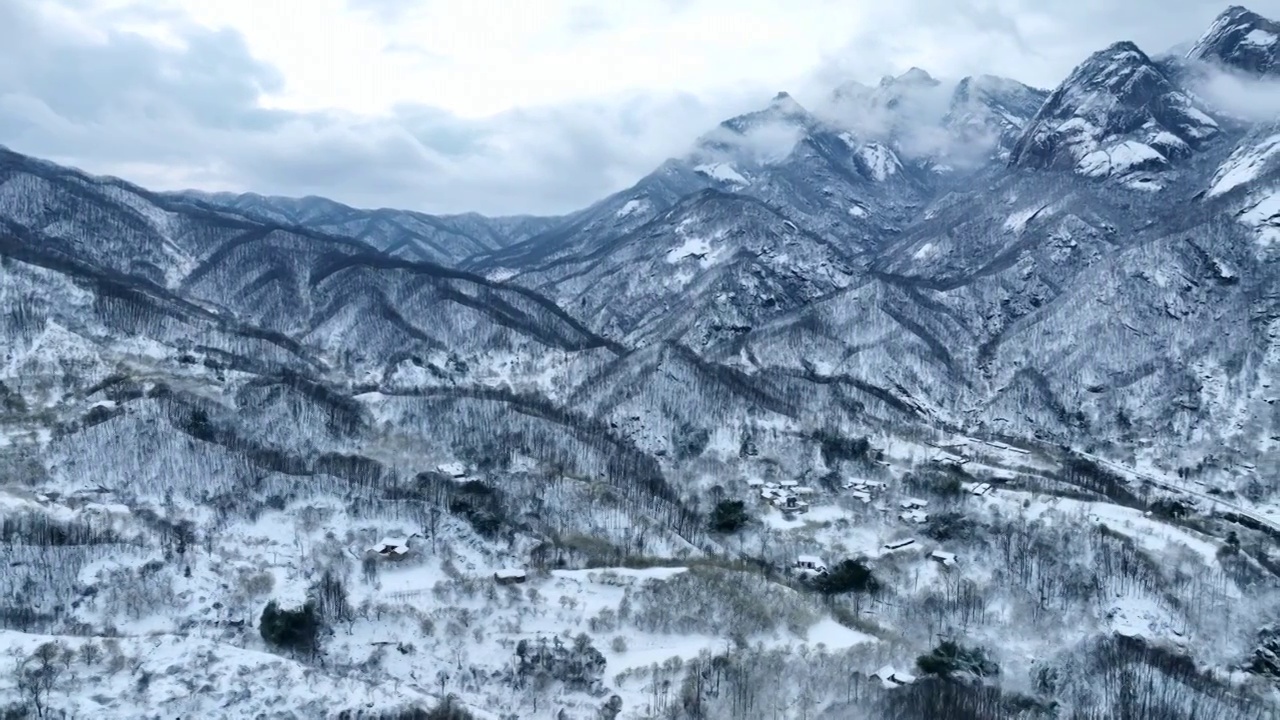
[498,106]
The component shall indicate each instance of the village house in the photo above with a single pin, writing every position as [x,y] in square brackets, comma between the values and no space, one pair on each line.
[918,517]
[890,677]
[455,470]
[510,576]
[945,558]
[913,504]
[793,504]
[899,544]
[981,489]
[391,548]
[810,565]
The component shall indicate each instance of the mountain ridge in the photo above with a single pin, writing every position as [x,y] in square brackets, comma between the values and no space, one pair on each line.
[804,407]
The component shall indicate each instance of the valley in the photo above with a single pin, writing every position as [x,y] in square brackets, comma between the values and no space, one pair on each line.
[865,426]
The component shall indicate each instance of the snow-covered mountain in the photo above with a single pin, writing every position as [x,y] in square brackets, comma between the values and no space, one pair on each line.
[1241,40]
[442,239]
[671,280]
[948,399]
[1117,114]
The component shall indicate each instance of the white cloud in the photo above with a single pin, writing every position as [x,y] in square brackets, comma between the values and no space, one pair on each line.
[1248,98]
[447,106]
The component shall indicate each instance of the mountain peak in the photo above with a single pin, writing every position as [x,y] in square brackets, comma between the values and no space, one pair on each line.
[1117,112]
[1242,40]
[787,105]
[916,75]
[913,76]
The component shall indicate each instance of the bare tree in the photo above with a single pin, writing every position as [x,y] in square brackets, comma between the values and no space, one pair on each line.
[37,675]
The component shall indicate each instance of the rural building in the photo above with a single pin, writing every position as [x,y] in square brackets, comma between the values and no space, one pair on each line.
[455,470]
[890,677]
[946,558]
[391,548]
[913,503]
[917,517]
[981,489]
[810,565]
[793,504]
[510,576]
[899,544]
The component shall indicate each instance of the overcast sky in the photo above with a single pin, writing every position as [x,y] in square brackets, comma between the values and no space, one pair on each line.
[498,106]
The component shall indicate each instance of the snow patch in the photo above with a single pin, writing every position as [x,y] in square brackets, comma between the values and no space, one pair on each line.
[724,172]
[632,207]
[1260,38]
[881,162]
[1128,155]
[1265,216]
[1244,165]
[1018,220]
[501,275]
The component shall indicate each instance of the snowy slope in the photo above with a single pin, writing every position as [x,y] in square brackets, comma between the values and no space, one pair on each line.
[1014,407]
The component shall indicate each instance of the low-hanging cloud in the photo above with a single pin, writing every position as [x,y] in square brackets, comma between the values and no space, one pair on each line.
[914,117]
[184,108]
[762,143]
[1247,97]
[187,114]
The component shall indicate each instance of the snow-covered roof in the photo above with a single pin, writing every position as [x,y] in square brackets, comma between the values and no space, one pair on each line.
[810,560]
[883,673]
[455,469]
[755,482]
[391,546]
[915,516]
[891,677]
[896,544]
[509,573]
[790,483]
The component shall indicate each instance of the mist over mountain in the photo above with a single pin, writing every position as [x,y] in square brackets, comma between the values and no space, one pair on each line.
[942,398]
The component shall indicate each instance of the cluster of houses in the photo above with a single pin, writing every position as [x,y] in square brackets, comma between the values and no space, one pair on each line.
[913,511]
[395,549]
[980,489]
[789,496]
[810,566]
[864,489]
